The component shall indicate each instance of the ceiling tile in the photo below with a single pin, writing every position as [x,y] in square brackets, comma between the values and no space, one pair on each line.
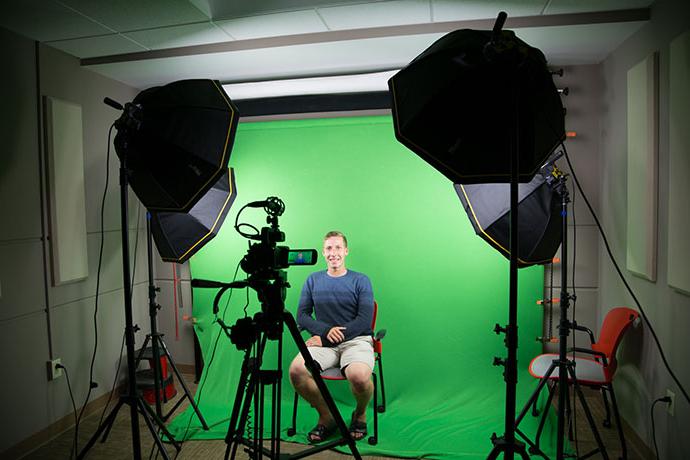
[129,15]
[273,25]
[44,20]
[224,9]
[583,6]
[105,45]
[460,10]
[175,36]
[376,14]
[578,44]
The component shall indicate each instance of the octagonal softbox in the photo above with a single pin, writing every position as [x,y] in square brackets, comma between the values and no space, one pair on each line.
[469,101]
[178,235]
[175,141]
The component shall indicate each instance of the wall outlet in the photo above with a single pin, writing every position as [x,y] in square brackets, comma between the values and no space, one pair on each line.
[54,372]
[671,407]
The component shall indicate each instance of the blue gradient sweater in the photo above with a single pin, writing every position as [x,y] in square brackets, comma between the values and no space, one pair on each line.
[346,301]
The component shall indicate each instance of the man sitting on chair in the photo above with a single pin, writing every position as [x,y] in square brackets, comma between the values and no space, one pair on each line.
[342,302]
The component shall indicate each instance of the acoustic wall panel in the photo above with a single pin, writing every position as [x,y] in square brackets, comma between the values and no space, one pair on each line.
[642,168]
[65,156]
[679,165]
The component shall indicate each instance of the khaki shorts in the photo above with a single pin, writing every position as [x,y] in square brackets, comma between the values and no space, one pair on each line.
[359,349]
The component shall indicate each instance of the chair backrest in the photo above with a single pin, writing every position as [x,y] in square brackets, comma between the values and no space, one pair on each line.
[616,322]
[373,318]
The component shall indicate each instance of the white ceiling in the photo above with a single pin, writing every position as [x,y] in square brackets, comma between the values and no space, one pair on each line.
[145,43]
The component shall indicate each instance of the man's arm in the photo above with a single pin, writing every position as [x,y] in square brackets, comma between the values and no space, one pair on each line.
[305,310]
[365,310]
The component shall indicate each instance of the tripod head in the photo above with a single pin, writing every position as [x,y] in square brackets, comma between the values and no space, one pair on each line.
[265,264]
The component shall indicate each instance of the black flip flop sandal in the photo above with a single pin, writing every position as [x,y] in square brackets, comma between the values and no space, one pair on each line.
[358,430]
[320,433]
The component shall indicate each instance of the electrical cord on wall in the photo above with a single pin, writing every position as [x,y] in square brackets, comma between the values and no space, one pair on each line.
[625,282]
[666,400]
[93,384]
[74,407]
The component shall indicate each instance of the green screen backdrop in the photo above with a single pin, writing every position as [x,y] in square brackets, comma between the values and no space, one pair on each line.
[440,288]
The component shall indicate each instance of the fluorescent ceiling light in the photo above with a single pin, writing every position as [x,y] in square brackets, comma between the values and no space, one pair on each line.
[338,84]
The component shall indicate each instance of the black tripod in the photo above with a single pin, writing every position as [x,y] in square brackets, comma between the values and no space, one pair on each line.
[159,349]
[251,335]
[565,367]
[131,397]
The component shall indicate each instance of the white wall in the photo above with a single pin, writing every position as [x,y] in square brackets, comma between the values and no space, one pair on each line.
[641,376]
[37,324]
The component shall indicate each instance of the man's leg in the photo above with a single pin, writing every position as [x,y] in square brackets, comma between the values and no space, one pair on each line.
[359,376]
[305,386]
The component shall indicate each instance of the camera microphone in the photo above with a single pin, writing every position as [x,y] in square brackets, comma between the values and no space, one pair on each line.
[272,205]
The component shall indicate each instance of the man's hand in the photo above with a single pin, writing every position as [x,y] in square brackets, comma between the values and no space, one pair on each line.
[314,341]
[335,334]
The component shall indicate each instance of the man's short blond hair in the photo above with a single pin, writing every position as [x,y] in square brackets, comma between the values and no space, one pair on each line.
[333,233]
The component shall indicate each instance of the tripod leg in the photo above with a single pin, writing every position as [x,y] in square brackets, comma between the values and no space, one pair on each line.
[144,409]
[552,390]
[588,414]
[313,367]
[147,411]
[533,398]
[106,425]
[187,393]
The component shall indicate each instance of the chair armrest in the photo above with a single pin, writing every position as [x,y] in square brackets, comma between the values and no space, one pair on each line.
[598,354]
[584,329]
[380,334]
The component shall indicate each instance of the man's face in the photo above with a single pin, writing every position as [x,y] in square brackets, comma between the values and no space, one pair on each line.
[334,251]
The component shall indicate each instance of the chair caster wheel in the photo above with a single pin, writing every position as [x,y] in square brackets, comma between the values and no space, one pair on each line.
[291,432]
[607,424]
[373,441]
[380,409]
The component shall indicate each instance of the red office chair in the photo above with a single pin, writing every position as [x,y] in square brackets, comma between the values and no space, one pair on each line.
[334,373]
[596,372]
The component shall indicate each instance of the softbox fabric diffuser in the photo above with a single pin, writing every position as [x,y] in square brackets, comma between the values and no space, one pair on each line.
[539,218]
[179,235]
[181,145]
[461,103]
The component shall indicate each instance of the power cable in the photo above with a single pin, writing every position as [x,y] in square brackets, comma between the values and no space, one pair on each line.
[667,400]
[625,282]
[74,406]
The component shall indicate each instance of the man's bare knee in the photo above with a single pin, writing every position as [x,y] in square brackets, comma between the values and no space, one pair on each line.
[359,376]
[298,372]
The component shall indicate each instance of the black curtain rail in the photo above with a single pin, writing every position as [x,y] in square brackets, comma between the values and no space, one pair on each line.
[311,103]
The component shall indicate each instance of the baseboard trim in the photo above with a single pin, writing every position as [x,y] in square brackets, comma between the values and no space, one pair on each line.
[36,440]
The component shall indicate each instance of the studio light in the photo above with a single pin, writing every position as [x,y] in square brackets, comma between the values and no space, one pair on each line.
[539,220]
[179,235]
[177,140]
[481,107]
[471,99]
[174,143]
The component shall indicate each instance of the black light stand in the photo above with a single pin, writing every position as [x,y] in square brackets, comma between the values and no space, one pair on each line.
[158,346]
[507,443]
[565,367]
[131,397]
